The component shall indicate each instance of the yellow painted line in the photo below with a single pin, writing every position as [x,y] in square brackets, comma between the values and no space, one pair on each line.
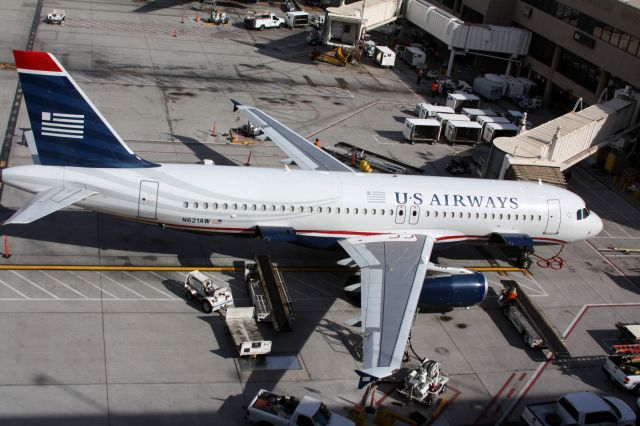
[155,268]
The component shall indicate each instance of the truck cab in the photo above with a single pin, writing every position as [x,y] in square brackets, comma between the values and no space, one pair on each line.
[262,20]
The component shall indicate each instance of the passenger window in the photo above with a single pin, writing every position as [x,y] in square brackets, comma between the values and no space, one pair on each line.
[468,215]
[337,210]
[390,212]
[319,209]
[435,214]
[214,206]
[477,215]
[346,210]
[400,212]
[292,209]
[381,212]
[500,216]
[531,217]
[301,209]
[364,211]
[225,206]
[263,207]
[414,212]
[272,208]
[460,215]
[328,209]
[253,207]
[485,216]
[516,217]
[205,205]
[185,204]
[427,213]
[373,211]
[493,215]
[234,207]
[244,207]
[195,204]
[310,209]
[539,218]
[355,211]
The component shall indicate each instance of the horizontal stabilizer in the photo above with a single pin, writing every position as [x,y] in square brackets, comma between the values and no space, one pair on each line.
[370,375]
[49,201]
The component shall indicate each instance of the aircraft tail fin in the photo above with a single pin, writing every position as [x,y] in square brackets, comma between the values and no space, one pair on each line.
[67,128]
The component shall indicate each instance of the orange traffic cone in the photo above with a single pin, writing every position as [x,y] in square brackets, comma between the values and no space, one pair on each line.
[174,34]
[213,130]
[197,18]
[6,254]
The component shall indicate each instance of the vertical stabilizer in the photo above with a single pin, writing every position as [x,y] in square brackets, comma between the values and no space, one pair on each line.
[68,130]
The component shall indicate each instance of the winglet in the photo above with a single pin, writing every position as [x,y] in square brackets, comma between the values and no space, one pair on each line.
[236,104]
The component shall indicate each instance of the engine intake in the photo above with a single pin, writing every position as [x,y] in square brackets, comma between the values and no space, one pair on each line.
[453,291]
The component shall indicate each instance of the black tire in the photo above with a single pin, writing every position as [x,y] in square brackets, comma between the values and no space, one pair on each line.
[281,25]
[206,306]
[525,263]
[189,295]
[261,28]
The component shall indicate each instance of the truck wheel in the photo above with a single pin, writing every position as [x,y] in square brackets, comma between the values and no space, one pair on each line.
[206,306]
[281,25]
[261,27]
[189,295]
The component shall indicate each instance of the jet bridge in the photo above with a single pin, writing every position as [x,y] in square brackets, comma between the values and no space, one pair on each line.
[345,25]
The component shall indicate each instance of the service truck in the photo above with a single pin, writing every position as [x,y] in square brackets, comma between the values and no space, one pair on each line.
[56,17]
[262,20]
[579,408]
[623,367]
[268,408]
[213,297]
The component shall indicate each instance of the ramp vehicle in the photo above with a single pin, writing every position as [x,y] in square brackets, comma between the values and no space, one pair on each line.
[244,332]
[56,17]
[269,294]
[579,408]
[201,287]
[268,408]
[262,20]
[337,56]
[623,367]
[529,320]
[629,332]
[296,19]
[424,384]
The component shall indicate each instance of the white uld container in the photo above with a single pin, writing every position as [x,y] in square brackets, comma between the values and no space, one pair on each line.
[385,57]
[496,130]
[421,130]
[414,56]
[462,131]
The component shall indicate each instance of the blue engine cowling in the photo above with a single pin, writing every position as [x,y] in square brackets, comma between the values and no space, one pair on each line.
[453,291]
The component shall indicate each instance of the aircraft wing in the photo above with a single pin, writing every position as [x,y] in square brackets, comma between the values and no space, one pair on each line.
[48,201]
[305,154]
[392,273]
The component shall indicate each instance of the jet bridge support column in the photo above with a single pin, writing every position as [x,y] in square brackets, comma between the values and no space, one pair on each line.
[450,66]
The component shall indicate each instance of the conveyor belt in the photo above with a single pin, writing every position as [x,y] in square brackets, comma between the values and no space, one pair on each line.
[275,294]
[539,322]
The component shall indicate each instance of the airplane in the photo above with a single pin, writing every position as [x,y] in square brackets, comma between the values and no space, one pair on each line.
[387,224]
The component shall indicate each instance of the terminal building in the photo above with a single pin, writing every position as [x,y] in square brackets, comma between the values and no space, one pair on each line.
[578,48]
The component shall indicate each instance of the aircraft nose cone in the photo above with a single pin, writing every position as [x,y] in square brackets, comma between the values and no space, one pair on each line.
[597,225]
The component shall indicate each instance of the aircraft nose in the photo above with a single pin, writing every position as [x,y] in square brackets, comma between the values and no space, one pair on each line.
[596,225]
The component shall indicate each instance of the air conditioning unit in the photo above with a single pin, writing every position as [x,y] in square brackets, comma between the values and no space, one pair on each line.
[526,11]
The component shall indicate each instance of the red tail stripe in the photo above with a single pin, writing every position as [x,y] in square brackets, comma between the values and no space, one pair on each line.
[35,61]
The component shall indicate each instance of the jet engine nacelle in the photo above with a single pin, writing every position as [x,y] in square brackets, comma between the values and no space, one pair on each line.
[452,288]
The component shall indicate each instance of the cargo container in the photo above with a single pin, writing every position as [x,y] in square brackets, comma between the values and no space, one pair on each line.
[487,88]
[296,19]
[498,80]
[384,57]
[472,113]
[414,56]
[443,117]
[490,131]
[421,130]
[462,132]
[483,120]
[528,86]
[427,110]
[515,88]
[457,101]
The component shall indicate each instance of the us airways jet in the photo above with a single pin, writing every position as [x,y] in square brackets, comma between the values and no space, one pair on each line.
[387,224]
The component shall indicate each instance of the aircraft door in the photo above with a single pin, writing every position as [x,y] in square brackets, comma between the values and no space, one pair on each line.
[401,212]
[553,220]
[148,200]
[414,214]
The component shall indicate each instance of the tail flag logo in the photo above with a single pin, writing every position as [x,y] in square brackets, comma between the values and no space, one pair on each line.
[62,125]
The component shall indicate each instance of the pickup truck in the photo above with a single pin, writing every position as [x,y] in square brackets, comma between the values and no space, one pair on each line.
[579,408]
[262,20]
[623,367]
[56,17]
[268,408]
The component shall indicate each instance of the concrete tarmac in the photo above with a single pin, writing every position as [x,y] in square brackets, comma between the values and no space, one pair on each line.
[123,347]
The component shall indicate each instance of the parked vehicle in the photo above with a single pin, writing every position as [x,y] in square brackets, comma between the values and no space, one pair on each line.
[262,20]
[56,17]
[213,297]
[623,367]
[579,408]
[268,408]
[296,19]
[384,57]
[629,332]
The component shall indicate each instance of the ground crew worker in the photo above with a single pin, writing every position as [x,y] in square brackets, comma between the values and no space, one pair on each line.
[419,74]
[434,89]
[512,294]
[317,143]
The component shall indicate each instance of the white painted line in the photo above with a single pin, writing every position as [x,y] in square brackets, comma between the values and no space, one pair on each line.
[35,285]
[92,284]
[123,286]
[17,291]
[65,285]
[170,296]
[93,299]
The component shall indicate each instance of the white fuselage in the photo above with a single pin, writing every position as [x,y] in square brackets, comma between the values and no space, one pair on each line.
[320,204]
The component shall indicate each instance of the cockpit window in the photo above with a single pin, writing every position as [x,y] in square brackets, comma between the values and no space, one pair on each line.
[579,214]
[585,213]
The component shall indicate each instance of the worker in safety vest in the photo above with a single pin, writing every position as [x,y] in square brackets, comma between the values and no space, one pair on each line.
[317,143]
[434,89]
[512,294]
